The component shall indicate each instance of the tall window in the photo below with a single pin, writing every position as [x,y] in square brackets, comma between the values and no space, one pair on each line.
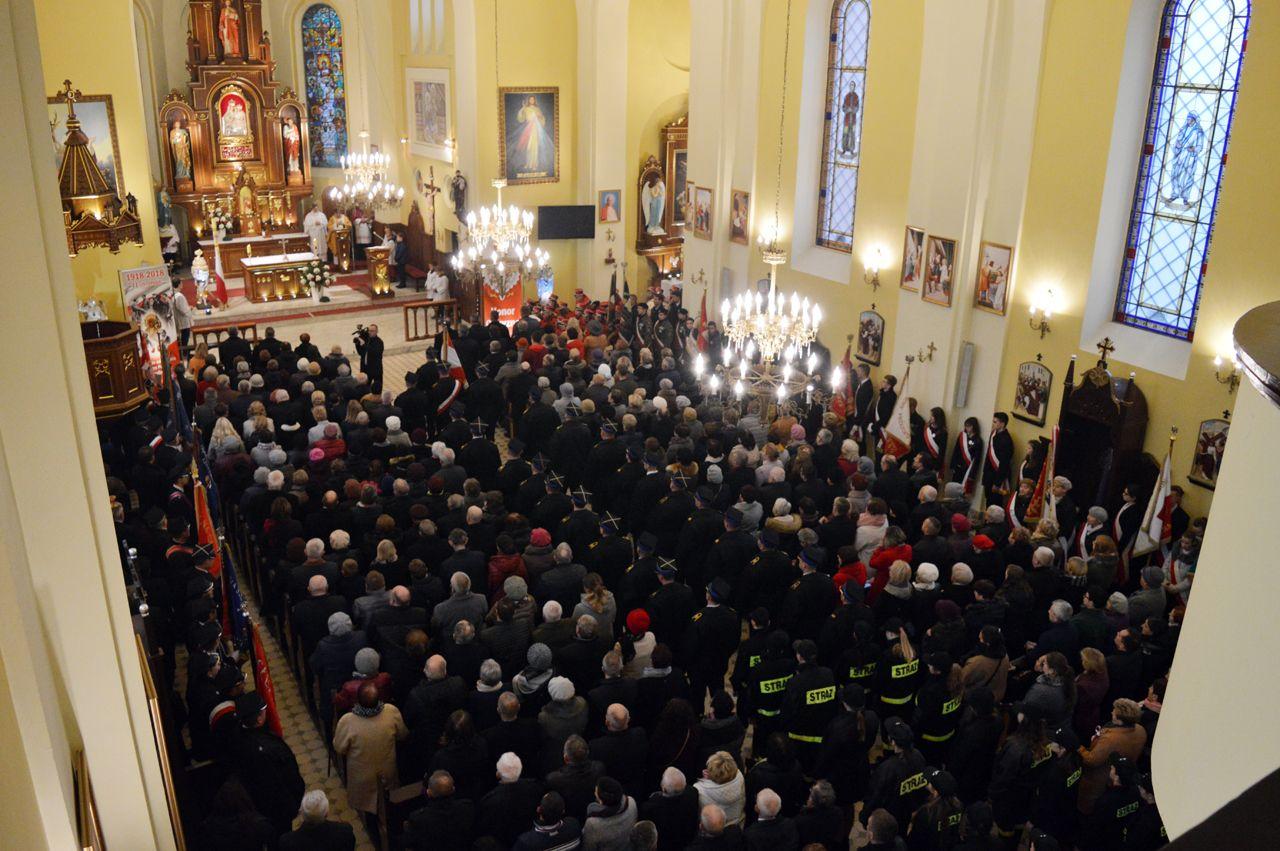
[842,132]
[1193,96]
[326,85]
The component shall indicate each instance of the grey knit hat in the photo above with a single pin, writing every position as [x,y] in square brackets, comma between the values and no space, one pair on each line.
[367,661]
[539,656]
[515,588]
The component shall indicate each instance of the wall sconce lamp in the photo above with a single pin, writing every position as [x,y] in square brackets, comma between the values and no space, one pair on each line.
[1232,378]
[925,355]
[871,270]
[1041,313]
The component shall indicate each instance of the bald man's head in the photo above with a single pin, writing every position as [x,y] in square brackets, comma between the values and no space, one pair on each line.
[440,784]
[616,717]
[712,820]
[436,668]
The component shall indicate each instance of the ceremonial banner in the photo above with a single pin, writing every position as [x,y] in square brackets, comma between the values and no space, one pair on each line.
[1156,530]
[842,395]
[897,432]
[1043,506]
[449,355]
[147,295]
[508,306]
[263,685]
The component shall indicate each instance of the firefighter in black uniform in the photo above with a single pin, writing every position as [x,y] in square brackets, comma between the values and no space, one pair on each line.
[1056,809]
[456,434]
[812,597]
[709,640]
[935,826]
[766,687]
[897,782]
[266,765]
[621,483]
[937,707]
[857,664]
[610,555]
[553,507]
[534,487]
[750,653]
[1105,828]
[810,703]
[897,672]
[581,528]
[569,446]
[839,628]
[480,457]
[514,473]
[669,515]
[671,606]
[1145,831]
[640,578]
[604,459]
[768,576]
[730,553]
[701,528]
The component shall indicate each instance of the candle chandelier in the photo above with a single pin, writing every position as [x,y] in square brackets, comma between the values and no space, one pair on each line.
[768,324]
[366,183]
[499,245]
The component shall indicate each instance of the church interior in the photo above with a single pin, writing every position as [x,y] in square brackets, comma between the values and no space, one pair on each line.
[851,222]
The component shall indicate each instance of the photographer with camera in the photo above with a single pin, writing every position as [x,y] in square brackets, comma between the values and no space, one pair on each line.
[370,347]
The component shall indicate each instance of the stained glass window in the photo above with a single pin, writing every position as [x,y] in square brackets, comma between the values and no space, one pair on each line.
[326,85]
[1193,96]
[842,131]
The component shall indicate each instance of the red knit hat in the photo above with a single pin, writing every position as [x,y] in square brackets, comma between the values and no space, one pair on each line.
[959,523]
[540,538]
[982,542]
[637,622]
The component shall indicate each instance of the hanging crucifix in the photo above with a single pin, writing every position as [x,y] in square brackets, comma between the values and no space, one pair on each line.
[431,191]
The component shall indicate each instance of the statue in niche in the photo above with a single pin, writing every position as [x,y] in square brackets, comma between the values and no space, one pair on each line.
[180,145]
[229,29]
[655,199]
[458,193]
[292,147]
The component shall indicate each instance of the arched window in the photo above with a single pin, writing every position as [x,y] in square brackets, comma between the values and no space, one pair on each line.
[326,85]
[842,131]
[1193,95]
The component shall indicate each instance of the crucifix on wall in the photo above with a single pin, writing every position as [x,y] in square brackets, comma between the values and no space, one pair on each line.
[431,191]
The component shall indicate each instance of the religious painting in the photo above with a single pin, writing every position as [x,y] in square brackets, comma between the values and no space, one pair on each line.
[991,291]
[428,93]
[870,337]
[609,205]
[739,216]
[680,186]
[702,210]
[326,85]
[912,259]
[234,125]
[1211,442]
[529,121]
[1031,395]
[97,122]
[939,271]
[683,212]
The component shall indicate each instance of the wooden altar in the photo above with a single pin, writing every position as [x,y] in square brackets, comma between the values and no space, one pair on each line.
[276,277]
[237,138]
[234,249]
[662,242]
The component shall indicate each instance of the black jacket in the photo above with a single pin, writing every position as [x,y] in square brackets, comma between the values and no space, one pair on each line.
[324,836]
[443,823]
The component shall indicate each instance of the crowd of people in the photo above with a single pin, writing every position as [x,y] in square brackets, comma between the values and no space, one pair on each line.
[650,619]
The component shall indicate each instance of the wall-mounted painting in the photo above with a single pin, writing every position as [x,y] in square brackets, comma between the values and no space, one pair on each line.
[98,122]
[740,217]
[991,291]
[870,337]
[1211,443]
[608,206]
[1031,396]
[702,208]
[912,258]
[939,270]
[428,111]
[529,119]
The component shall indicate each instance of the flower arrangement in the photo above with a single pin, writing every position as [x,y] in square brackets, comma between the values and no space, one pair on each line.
[317,277]
[218,220]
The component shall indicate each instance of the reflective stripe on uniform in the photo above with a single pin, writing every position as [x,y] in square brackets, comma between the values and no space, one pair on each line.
[799,737]
[896,701]
[930,738]
[769,713]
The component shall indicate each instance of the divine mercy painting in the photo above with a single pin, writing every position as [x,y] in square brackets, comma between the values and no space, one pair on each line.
[529,120]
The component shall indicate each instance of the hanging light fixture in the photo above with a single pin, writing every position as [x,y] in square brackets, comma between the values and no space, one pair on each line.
[366,182]
[498,244]
[769,323]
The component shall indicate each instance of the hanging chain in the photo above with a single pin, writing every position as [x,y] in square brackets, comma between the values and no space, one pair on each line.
[782,121]
[496,83]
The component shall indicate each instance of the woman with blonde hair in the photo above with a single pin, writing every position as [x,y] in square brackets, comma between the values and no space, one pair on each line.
[1046,534]
[896,600]
[257,420]
[1121,735]
[199,358]
[722,785]
[1091,690]
[598,602]
[222,429]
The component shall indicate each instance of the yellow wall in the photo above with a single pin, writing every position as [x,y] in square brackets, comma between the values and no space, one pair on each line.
[657,94]
[888,132]
[1073,135]
[98,53]
[538,45]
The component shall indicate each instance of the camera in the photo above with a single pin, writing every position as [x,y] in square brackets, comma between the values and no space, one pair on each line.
[362,332]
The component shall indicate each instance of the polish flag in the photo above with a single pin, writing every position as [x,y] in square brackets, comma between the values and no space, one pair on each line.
[897,433]
[449,355]
[1156,530]
[840,403]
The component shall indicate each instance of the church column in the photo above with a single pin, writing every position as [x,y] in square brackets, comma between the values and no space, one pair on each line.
[467,154]
[975,117]
[60,580]
[723,90]
[602,135]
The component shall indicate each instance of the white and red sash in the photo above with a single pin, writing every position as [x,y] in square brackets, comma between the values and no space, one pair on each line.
[969,460]
[448,402]
[931,443]
[1116,529]
[1011,510]
[991,453]
[1080,536]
